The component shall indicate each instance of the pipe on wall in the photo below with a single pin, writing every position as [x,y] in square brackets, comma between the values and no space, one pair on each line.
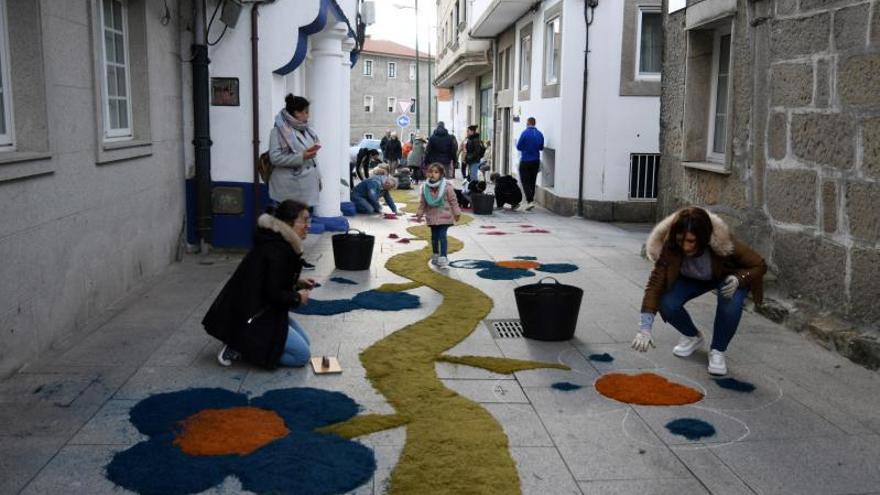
[589,15]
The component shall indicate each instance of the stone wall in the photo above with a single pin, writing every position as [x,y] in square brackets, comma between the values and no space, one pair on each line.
[83,223]
[803,182]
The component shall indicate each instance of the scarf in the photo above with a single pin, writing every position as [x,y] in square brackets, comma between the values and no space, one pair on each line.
[286,125]
[440,187]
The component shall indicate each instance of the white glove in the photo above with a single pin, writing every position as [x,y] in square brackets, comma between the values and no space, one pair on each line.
[728,289]
[643,341]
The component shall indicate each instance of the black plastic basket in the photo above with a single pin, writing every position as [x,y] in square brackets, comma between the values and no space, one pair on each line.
[548,311]
[483,203]
[353,251]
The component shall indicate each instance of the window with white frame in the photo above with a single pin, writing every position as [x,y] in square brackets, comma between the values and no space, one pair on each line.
[392,69]
[650,44]
[368,68]
[368,135]
[552,50]
[117,102]
[7,138]
[718,109]
[525,60]
[392,102]
[412,72]
[368,103]
[412,105]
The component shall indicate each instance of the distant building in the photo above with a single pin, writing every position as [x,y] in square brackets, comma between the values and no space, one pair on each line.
[383,78]
[505,61]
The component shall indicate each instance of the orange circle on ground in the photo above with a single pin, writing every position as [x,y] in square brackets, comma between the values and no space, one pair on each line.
[237,430]
[646,389]
[524,264]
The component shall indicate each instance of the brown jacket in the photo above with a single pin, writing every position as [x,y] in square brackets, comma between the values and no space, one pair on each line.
[729,257]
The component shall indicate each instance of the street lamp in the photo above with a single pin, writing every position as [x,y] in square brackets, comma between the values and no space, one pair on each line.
[418,100]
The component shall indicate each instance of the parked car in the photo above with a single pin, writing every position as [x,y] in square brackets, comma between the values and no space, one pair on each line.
[372,144]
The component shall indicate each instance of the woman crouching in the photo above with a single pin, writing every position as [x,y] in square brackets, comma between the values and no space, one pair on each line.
[250,316]
[694,252]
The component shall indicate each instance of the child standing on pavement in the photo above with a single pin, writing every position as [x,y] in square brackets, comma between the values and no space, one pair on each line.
[437,203]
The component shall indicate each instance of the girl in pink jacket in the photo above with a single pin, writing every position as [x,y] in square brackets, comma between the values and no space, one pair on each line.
[438,205]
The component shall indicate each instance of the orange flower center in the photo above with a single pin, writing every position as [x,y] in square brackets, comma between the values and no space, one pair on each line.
[237,430]
[524,264]
[646,389]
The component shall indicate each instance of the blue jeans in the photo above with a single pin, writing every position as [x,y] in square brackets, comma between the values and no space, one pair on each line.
[296,349]
[727,315]
[474,170]
[361,205]
[439,243]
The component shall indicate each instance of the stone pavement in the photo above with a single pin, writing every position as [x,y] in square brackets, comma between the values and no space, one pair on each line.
[811,426]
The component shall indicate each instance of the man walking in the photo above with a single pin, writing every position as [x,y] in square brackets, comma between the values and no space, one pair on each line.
[529,144]
[474,151]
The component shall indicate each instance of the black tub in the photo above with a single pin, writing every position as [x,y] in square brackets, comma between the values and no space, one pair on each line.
[353,251]
[548,311]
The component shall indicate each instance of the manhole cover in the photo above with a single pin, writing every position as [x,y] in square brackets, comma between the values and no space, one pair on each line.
[505,329]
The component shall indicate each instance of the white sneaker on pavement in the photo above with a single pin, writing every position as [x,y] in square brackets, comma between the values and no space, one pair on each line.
[687,345]
[227,355]
[442,262]
[530,205]
[434,258]
[717,363]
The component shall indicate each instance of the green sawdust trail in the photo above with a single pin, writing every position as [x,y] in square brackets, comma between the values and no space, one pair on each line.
[452,444]
[503,366]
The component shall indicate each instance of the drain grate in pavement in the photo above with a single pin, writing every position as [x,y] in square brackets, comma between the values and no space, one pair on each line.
[505,329]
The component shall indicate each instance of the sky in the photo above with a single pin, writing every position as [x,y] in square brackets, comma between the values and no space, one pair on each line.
[399,25]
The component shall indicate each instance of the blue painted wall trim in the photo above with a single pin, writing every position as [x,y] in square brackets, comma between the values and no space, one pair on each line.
[230,231]
[316,26]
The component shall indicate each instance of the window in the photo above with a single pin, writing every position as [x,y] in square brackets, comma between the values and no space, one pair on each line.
[650,44]
[412,105]
[504,69]
[641,48]
[720,84]
[368,103]
[6,125]
[643,175]
[412,72]
[392,102]
[368,68]
[552,49]
[457,15]
[707,119]
[392,69]
[368,135]
[117,103]
[525,60]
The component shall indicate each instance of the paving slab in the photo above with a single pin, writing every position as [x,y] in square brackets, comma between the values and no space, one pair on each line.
[542,471]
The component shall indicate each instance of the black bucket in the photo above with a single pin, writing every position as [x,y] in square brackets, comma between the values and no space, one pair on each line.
[353,251]
[483,203]
[548,311]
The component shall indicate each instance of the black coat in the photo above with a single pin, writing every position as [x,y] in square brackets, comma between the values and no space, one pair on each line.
[250,313]
[393,150]
[507,191]
[441,147]
[474,149]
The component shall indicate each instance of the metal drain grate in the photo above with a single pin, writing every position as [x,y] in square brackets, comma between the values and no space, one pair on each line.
[505,329]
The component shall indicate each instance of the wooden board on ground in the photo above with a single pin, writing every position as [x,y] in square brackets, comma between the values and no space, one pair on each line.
[332,365]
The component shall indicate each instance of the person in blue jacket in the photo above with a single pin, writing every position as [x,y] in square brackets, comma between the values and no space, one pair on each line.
[366,194]
[529,144]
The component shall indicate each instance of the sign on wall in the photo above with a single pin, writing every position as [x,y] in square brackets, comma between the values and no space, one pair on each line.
[403,121]
[224,91]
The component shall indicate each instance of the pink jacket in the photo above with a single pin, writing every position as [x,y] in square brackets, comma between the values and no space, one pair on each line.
[440,215]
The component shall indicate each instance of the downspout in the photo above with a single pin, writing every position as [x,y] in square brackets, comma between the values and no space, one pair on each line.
[589,15]
[255,99]
[201,125]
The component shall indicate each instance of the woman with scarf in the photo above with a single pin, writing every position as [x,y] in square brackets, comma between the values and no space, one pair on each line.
[292,150]
[438,205]
[293,146]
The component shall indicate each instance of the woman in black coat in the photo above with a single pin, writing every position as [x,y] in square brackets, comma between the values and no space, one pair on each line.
[250,315]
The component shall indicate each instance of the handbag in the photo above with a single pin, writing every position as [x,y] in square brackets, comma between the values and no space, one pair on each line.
[265,167]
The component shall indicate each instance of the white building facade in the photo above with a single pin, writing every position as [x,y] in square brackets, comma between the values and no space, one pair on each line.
[537,61]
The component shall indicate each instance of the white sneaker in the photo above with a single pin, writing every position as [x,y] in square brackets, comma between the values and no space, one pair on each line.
[687,345]
[717,363]
[530,205]
[227,355]
[434,258]
[442,262]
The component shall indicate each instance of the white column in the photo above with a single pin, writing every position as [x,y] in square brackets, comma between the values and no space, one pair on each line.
[325,82]
[345,129]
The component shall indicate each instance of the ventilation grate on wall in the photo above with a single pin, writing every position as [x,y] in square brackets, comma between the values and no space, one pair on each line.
[505,329]
[643,168]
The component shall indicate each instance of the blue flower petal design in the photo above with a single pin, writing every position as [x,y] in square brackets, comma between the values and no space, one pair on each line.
[502,273]
[370,299]
[303,462]
[491,270]
[557,268]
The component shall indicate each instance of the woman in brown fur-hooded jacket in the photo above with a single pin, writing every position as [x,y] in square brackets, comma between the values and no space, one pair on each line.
[694,252]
